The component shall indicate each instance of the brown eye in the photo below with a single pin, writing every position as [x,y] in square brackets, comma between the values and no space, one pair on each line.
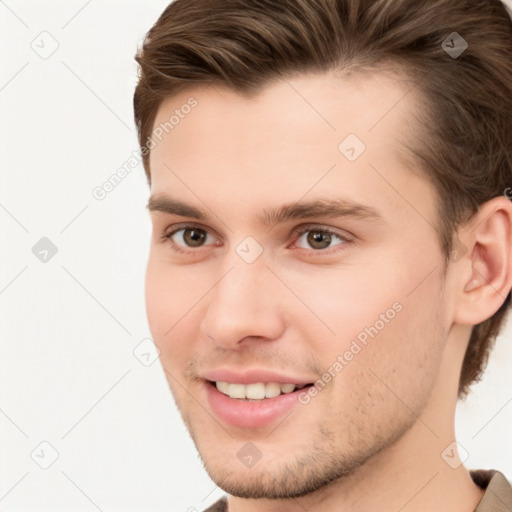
[319,239]
[190,236]
[194,237]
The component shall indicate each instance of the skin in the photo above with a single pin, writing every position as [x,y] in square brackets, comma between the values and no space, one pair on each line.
[373,437]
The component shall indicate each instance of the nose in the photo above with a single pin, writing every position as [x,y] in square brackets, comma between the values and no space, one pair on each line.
[244,306]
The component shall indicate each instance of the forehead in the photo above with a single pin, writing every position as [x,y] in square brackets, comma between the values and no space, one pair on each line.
[324,133]
[319,107]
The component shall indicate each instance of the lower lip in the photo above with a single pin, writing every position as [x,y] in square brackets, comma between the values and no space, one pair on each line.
[243,413]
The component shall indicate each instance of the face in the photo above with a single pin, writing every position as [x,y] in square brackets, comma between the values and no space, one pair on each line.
[297,268]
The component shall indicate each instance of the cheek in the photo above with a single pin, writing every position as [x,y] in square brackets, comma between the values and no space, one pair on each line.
[173,296]
[402,358]
[348,301]
[170,293]
[384,315]
[166,302]
[158,303]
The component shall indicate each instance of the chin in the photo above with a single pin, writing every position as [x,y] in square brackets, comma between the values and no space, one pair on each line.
[275,477]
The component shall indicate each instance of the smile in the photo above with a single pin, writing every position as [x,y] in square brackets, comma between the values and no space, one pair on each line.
[252,405]
[255,391]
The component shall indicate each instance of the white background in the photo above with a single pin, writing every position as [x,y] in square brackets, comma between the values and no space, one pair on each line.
[69,327]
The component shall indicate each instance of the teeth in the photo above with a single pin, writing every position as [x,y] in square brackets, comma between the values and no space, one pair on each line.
[287,388]
[272,389]
[223,387]
[237,391]
[256,391]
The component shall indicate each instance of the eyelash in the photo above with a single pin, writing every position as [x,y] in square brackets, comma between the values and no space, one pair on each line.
[297,233]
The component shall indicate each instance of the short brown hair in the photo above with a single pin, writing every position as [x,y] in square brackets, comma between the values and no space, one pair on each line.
[465,142]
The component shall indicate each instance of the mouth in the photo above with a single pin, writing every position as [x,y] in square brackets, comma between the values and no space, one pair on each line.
[256,391]
[252,404]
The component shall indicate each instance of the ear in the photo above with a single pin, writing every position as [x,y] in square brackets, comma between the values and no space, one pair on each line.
[485,270]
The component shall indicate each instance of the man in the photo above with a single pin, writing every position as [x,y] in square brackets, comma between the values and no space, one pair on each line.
[331,255]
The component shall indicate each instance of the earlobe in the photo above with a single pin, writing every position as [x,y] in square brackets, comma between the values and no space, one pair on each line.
[489,240]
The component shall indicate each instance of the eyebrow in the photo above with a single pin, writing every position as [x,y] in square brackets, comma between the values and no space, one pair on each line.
[321,207]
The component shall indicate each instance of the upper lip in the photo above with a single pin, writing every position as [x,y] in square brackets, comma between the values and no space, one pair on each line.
[251,376]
